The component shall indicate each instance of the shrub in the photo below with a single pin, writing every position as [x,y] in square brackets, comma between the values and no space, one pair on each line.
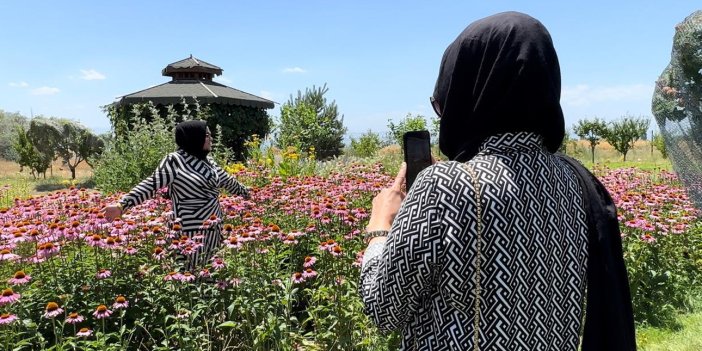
[366,145]
[308,122]
[131,157]
[407,124]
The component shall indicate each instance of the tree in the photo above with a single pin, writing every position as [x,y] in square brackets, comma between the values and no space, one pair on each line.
[8,134]
[76,144]
[367,144]
[624,133]
[408,124]
[44,135]
[27,155]
[591,130]
[309,122]
[659,143]
[133,156]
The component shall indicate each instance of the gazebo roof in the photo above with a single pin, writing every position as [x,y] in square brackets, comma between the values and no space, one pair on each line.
[191,64]
[192,79]
[206,92]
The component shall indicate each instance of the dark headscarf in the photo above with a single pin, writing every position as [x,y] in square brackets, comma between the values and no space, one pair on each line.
[190,137]
[500,75]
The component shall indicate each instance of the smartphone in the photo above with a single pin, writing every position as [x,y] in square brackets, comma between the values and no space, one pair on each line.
[417,154]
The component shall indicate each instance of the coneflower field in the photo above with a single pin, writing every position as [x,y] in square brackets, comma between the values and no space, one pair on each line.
[286,277]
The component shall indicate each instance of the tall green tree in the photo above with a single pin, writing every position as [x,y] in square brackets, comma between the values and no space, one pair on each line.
[367,144]
[44,135]
[8,133]
[591,130]
[27,155]
[76,144]
[622,134]
[408,124]
[310,121]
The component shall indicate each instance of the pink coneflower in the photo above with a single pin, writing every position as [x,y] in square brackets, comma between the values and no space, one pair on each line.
[102,312]
[336,250]
[130,250]
[189,250]
[297,278]
[289,240]
[235,281]
[309,273]
[172,276]
[221,284]
[94,240]
[325,219]
[309,261]
[84,332]
[120,302]
[204,273]
[159,253]
[187,277]
[52,310]
[7,318]
[111,243]
[7,255]
[648,238]
[20,278]
[74,318]
[218,263]
[8,297]
[233,242]
[277,282]
[103,273]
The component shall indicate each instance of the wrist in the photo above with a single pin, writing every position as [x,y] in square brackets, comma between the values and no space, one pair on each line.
[373,234]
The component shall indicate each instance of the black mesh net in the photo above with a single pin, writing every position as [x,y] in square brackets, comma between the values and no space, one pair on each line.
[677,105]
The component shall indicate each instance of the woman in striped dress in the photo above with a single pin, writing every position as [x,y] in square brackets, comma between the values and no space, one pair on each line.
[193,182]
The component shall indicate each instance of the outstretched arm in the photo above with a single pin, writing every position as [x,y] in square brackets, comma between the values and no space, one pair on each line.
[229,182]
[146,189]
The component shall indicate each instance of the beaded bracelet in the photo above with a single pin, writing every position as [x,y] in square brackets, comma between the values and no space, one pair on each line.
[374,234]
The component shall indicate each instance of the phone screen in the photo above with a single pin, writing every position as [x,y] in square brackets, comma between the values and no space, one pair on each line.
[417,154]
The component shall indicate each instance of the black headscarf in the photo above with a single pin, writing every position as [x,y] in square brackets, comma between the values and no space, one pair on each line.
[190,137]
[500,75]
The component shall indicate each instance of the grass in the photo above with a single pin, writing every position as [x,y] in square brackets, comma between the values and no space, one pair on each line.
[686,338]
[16,184]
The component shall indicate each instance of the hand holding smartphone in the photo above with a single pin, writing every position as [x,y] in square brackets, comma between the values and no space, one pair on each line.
[417,152]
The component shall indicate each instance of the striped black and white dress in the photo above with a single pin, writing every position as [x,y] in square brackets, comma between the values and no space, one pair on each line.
[193,186]
[532,271]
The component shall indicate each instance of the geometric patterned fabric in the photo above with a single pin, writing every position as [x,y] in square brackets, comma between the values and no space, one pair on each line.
[533,254]
[193,186]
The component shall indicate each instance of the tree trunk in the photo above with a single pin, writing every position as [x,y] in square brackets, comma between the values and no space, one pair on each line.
[592,147]
[73,172]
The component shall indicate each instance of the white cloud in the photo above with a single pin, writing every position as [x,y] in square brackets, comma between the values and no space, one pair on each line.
[223,79]
[20,84]
[585,95]
[91,74]
[294,70]
[45,91]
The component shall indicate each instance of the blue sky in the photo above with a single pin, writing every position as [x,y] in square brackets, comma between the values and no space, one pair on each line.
[378,58]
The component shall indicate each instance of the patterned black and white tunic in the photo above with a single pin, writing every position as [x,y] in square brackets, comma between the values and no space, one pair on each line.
[193,186]
[534,253]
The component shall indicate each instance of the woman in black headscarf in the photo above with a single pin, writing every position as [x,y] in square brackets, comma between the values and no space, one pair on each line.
[489,251]
[193,182]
